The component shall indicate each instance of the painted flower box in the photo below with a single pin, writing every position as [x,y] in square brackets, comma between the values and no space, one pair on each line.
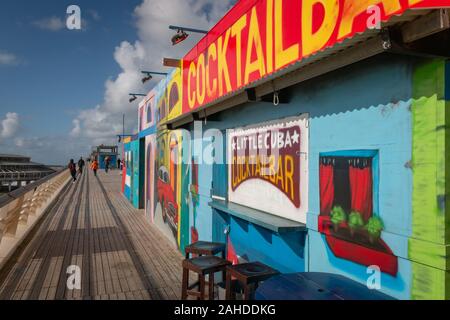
[358,248]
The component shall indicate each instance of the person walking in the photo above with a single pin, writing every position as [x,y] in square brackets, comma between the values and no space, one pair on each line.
[118,164]
[73,170]
[107,163]
[81,165]
[94,166]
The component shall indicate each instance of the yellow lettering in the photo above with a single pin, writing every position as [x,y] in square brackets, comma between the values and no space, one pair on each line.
[254,39]
[233,172]
[269,36]
[201,88]
[314,42]
[273,174]
[236,31]
[282,56]
[223,71]
[280,172]
[191,93]
[289,170]
[212,56]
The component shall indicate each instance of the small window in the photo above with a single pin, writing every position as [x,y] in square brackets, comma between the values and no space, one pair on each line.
[346,182]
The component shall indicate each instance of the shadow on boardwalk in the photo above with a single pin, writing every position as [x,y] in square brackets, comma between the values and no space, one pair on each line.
[93,227]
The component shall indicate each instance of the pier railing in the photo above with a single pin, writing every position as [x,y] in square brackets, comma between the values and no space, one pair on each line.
[20,210]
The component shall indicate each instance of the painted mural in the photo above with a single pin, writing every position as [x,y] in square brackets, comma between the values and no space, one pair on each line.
[268,166]
[172,215]
[150,177]
[146,113]
[364,170]
[351,226]
[127,170]
[174,95]
[366,205]
[134,173]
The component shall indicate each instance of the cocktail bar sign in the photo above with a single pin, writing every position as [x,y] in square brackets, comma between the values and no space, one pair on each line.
[260,37]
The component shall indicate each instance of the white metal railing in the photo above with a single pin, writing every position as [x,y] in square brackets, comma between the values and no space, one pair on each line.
[20,210]
[23,175]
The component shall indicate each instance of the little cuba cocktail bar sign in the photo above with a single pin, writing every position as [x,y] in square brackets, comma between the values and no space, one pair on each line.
[259,37]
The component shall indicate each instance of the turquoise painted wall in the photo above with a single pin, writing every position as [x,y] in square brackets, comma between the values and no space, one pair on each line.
[135,173]
[365,106]
[127,189]
[200,212]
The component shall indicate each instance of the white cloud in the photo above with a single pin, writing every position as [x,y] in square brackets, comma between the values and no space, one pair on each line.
[94,15]
[76,128]
[9,126]
[153,17]
[50,24]
[8,59]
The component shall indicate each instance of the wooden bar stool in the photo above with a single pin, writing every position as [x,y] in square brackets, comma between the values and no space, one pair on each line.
[248,276]
[203,266]
[204,248]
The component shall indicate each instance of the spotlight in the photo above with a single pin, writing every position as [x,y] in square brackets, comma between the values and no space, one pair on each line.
[180,36]
[135,95]
[147,78]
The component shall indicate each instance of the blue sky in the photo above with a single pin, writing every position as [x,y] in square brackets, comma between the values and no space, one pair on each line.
[58,72]
[63,91]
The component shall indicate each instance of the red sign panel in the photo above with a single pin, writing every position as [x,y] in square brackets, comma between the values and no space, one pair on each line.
[259,37]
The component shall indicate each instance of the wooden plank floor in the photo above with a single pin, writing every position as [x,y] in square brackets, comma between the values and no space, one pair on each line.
[94,228]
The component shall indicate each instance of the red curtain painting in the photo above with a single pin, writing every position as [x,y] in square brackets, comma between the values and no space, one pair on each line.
[361,190]
[326,188]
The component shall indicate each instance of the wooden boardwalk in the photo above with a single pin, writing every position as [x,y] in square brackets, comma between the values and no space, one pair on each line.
[94,228]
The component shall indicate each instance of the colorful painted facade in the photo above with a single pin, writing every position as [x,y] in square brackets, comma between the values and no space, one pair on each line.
[359,176]
[133,183]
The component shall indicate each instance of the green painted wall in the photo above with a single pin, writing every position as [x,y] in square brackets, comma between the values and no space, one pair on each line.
[430,238]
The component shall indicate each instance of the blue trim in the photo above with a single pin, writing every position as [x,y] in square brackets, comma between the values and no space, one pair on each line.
[374,154]
[350,153]
[147,132]
[259,218]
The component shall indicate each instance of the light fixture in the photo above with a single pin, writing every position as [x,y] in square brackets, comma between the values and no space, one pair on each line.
[147,78]
[148,75]
[182,35]
[135,95]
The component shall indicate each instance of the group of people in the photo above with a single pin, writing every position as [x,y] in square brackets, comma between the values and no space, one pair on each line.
[94,166]
[73,168]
